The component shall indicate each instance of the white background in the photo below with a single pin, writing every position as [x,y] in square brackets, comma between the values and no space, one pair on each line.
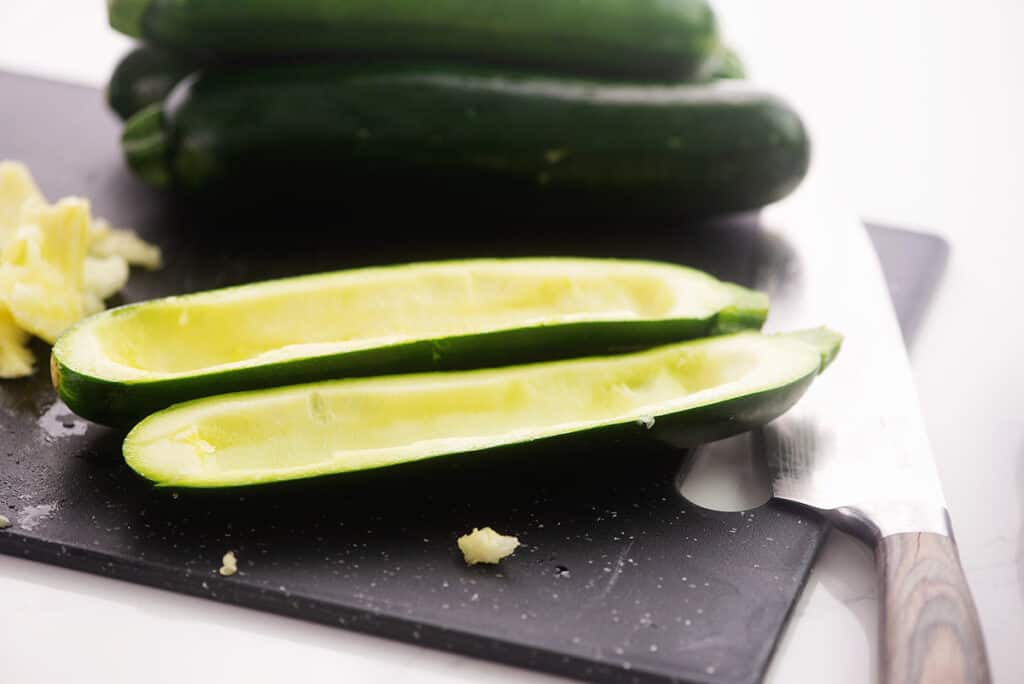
[917,111]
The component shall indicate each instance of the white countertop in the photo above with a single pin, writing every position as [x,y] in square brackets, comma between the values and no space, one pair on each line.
[915,108]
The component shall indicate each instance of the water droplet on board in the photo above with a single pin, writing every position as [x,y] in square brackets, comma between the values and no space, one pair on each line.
[57,422]
[31,516]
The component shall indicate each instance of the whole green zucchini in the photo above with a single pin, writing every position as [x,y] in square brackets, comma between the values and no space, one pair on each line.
[143,77]
[706,148]
[146,75]
[662,39]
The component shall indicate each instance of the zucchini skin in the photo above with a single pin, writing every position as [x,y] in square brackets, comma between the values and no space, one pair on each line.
[143,77]
[657,39]
[693,149]
[124,403]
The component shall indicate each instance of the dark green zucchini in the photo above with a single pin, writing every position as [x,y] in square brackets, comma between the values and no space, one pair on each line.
[707,148]
[147,74]
[143,77]
[661,39]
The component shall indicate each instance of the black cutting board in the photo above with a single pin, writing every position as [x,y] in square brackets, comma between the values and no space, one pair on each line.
[620,579]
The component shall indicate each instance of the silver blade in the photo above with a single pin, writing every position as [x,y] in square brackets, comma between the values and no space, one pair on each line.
[855,446]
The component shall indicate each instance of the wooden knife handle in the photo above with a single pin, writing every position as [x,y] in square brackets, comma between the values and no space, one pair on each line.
[930,632]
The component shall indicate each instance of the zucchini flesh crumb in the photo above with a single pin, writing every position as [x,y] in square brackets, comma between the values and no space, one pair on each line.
[57,265]
[229,564]
[4,522]
[15,357]
[646,421]
[486,546]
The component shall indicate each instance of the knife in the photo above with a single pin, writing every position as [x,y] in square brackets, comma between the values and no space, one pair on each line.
[855,448]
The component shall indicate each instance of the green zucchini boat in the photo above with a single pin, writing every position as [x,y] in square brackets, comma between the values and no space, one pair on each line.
[661,39]
[122,364]
[692,392]
[306,130]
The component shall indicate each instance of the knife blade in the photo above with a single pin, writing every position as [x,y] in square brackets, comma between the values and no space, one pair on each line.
[855,447]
